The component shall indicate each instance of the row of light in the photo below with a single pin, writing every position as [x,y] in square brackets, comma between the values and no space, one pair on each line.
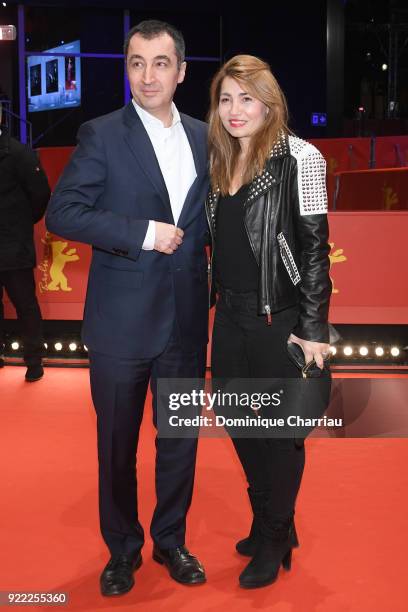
[364,351]
[347,350]
[58,346]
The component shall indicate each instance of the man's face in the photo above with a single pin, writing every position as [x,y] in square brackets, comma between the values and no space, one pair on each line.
[153,73]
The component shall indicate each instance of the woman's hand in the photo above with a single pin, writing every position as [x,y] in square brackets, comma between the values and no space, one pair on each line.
[312,350]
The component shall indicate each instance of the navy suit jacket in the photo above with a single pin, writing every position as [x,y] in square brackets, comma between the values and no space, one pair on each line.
[109,190]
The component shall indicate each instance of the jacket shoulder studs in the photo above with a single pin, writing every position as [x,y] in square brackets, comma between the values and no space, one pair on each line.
[281,147]
[311,176]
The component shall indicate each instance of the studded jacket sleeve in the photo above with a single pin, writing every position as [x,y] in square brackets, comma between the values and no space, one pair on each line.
[309,199]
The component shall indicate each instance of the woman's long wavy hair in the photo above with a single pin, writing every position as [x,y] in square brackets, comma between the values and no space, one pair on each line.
[255,77]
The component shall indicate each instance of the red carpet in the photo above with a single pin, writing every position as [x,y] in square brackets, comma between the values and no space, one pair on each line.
[352,514]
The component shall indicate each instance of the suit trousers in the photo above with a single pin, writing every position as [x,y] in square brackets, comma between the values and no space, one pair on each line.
[20,287]
[119,386]
[244,346]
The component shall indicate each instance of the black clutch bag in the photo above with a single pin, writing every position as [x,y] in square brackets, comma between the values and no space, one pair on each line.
[309,369]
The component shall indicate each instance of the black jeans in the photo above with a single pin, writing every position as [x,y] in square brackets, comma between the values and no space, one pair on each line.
[244,346]
[20,287]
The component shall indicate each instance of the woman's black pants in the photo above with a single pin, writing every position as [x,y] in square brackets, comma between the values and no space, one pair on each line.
[244,346]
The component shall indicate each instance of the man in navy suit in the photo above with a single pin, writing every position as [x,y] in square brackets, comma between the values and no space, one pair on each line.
[134,189]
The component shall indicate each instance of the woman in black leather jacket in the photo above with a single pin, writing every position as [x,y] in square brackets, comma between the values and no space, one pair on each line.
[267,212]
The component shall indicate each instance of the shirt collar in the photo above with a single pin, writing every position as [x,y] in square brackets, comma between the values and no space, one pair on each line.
[149,120]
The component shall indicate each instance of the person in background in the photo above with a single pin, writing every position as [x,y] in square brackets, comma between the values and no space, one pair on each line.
[267,214]
[24,195]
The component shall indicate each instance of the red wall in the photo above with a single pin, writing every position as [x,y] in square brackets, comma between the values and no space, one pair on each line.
[368,256]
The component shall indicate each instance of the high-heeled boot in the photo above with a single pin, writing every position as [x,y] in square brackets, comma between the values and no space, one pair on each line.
[248,545]
[274,549]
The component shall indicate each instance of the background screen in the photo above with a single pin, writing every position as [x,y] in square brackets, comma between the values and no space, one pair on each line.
[54,82]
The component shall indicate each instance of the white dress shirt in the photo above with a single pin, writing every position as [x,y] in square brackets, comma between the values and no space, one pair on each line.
[175,159]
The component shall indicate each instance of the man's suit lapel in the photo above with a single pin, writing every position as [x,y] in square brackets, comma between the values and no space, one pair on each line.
[199,151]
[140,145]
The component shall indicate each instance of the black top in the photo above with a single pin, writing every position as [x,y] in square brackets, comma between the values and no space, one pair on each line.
[235,264]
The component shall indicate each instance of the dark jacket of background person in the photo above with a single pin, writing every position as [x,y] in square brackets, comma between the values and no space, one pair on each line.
[24,194]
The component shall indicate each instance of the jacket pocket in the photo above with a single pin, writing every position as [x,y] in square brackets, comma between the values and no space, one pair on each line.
[288,259]
[118,277]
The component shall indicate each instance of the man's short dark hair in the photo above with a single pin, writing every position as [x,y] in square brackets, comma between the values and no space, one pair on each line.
[150,29]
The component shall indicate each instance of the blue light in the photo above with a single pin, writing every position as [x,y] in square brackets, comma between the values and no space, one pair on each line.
[319,119]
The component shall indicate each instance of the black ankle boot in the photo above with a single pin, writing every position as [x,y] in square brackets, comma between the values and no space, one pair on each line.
[248,545]
[274,549]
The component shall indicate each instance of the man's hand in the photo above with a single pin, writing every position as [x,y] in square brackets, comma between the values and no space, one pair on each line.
[168,238]
[312,350]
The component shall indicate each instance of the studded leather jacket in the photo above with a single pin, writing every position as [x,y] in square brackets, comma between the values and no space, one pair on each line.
[285,217]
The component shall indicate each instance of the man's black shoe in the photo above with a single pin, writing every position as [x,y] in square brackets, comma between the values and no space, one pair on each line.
[117,577]
[182,565]
[34,372]
[2,364]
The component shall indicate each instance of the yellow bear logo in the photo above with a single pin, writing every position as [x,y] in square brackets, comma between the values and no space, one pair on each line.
[335,257]
[390,198]
[58,279]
